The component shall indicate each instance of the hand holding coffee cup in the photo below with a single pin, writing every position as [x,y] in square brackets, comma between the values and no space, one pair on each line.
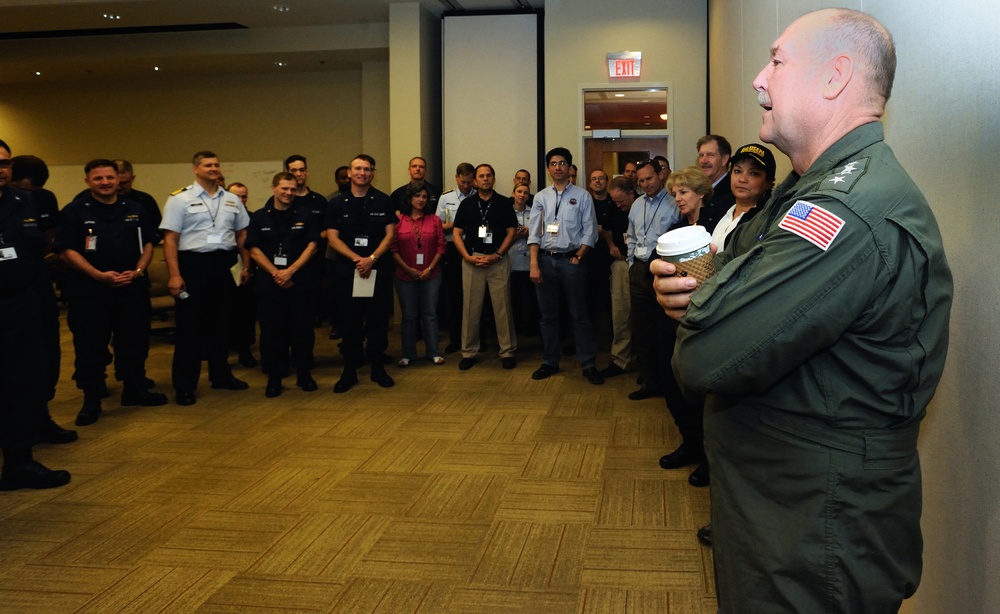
[689,249]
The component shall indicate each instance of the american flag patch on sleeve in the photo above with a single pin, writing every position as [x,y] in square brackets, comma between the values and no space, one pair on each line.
[812,223]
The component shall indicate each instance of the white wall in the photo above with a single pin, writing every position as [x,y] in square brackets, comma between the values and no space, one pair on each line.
[242,118]
[943,125]
[671,35]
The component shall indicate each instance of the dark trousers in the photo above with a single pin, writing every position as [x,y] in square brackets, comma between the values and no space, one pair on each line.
[243,324]
[50,332]
[653,338]
[451,293]
[24,385]
[562,278]
[365,321]
[332,301]
[687,413]
[524,302]
[124,313]
[286,321]
[645,312]
[203,318]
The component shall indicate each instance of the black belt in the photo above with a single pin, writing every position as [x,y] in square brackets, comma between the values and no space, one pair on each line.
[559,255]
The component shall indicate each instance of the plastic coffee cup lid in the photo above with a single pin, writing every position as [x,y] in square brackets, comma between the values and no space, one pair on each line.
[683,240]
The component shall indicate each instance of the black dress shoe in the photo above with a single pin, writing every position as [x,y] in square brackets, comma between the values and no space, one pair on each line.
[185,398]
[508,363]
[380,377]
[306,382]
[593,376]
[53,433]
[699,478]
[544,371]
[705,534]
[31,474]
[274,388]
[466,363]
[682,456]
[142,397]
[230,384]
[147,383]
[612,370]
[645,393]
[89,413]
[247,358]
[346,381]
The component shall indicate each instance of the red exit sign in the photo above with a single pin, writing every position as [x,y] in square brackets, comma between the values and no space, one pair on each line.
[625,64]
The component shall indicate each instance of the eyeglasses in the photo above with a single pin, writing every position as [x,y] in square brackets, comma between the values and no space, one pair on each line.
[557,163]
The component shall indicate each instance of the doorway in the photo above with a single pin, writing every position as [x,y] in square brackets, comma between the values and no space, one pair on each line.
[612,154]
[624,123]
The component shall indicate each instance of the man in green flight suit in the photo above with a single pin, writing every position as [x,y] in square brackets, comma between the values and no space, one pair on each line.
[819,342]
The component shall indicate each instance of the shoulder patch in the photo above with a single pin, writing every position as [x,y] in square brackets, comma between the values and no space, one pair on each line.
[844,178]
[813,223]
[180,190]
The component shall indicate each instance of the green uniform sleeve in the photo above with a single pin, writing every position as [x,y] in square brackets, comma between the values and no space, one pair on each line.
[774,306]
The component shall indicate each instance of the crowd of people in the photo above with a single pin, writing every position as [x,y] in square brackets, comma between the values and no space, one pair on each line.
[800,370]
[547,262]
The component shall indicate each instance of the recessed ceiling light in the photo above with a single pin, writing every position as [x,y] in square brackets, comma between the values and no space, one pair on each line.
[38,73]
[281,8]
[112,16]
[619,95]
[281,64]
[156,69]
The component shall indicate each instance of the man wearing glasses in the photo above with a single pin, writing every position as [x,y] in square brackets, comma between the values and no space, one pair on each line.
[561,230]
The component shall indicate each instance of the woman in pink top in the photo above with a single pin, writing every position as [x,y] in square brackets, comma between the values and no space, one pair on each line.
[417,250]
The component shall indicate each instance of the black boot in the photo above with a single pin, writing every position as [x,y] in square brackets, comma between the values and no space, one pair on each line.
[20,470]
[347,380]
[136,393]
[53,433]
[91,410]
[379,376]
[305,381]
[274,387]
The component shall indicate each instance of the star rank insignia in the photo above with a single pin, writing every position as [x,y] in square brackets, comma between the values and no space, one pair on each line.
[844,178]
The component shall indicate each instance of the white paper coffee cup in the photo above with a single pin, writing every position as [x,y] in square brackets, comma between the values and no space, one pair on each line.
[689,249]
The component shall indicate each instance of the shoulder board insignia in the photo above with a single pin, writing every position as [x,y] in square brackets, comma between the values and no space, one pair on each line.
[844,178]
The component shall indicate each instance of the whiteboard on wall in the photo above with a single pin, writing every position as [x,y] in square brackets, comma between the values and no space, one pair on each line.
[489,98]
[160,180]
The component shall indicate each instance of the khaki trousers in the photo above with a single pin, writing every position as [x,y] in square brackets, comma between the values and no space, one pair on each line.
[474,282]
[621,318]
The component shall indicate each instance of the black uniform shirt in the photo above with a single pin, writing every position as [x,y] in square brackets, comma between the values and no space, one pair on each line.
[121,230]
[497,214]
[616,221]
[360,223]
[283,233]
[21,241]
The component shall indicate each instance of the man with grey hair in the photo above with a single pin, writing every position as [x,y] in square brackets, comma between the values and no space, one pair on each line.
[819,342]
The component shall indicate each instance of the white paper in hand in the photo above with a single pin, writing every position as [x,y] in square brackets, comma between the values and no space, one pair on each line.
[364,288]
